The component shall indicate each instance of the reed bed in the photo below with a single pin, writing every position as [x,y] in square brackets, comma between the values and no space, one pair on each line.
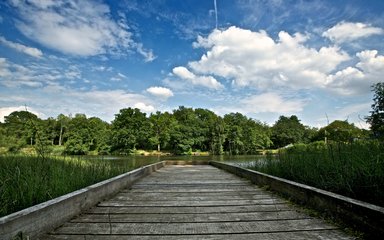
[28,180]
[352,169]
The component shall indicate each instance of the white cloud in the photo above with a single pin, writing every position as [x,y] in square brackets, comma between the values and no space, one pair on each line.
[55,99]
[144,107]
[147,54]
[34,52]
[5,111]
[358,79]
[271,102]
[119,77]
[347,31]
[81,28]
[255,59]
[205,81]
[15,75]
[161,92]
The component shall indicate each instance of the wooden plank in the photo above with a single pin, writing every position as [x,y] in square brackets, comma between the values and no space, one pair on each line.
[185,197]
[222,194]
[298,235]
[190,217]
[189,209]
[116,203]
[194,228]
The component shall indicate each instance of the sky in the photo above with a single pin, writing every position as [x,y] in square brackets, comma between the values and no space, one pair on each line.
[315,59]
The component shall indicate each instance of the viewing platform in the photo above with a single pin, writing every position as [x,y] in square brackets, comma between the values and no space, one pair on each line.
[195,202]
[178,200]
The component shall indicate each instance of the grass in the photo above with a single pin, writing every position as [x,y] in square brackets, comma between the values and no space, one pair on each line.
[352,169]
[28,180]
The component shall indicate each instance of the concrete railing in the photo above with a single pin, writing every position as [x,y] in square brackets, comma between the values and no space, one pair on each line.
[363,216]
[43,217]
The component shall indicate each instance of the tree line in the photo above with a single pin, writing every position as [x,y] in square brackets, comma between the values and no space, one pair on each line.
[183,131]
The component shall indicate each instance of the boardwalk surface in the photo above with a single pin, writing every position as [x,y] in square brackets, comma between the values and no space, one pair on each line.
[195,202]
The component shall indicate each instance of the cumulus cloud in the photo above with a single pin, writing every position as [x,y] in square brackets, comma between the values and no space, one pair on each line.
[34,52]
[348,31]
[161,92]
[81,28]
[359,78]
[5,111]
[272,103]
[55,99]
[255,59]
[144,107]
[205,81]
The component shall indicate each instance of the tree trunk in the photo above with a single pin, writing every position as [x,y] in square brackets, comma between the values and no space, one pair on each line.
[61,135]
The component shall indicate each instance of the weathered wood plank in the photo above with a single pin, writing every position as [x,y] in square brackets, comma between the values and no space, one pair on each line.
[117,203]
[190,217]
[298,235]
[194,228]
[185,197]
[223,194]
[189,209]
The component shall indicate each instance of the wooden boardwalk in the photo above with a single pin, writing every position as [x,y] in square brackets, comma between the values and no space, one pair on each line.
[195,202]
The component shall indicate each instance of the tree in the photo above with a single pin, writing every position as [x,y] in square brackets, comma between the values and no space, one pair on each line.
[22,126]
[287,131]
[340,131]
[161,124]
[78,135]
[130,129]
[376,119]
[184,136]
[62,121]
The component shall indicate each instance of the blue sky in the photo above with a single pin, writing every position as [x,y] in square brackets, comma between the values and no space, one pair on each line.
[263,58]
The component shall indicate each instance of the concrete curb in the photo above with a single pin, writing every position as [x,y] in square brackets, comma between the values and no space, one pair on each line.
[44,217]
[363,216]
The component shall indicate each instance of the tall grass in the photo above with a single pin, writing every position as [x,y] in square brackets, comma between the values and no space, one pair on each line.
[27,180]
[351,169]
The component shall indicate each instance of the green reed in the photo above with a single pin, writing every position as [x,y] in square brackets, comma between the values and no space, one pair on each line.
[351,169]
[28,180]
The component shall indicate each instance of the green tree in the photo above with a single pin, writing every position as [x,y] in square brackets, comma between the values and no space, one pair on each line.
[234,123]
[185,134]
[77,135]
[161,124]
[339,131]
[62,124]
[130,129]
[21,126]
[376,119]
[287,130]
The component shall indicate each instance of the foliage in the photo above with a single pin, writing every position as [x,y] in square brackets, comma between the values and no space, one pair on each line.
[287,130]
[130,130]
[26,181]
[376,119]
[353,169]
[340,131]
[184,131]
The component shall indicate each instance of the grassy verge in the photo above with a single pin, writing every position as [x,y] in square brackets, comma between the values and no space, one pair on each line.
[351,169]
[28,180]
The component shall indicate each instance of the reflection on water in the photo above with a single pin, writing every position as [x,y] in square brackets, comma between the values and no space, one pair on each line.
[137,161]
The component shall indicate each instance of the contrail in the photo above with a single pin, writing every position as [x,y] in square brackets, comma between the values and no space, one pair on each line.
[214,2]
